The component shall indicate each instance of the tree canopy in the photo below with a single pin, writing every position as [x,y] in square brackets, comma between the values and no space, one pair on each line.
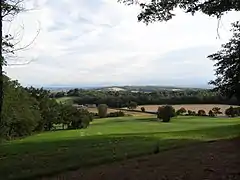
[163,10]
[227,65]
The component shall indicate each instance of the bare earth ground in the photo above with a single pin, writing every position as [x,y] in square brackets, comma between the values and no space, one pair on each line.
[218,160]
[192,107]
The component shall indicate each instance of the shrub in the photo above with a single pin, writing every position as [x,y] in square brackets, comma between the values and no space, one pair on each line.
[194,113]
[132,105]
[216,111]
[165,113]
[181,111]
[191,113]
[116,114]
[102,110]
[143,109]
[211,113]
[232,112]
[201,112]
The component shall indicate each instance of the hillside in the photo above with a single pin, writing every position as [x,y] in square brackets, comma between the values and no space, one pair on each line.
[146,88]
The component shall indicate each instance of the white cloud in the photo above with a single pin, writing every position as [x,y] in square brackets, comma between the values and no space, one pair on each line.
[85,42]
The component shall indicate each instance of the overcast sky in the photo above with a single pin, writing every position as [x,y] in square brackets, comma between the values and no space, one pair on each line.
[100,42]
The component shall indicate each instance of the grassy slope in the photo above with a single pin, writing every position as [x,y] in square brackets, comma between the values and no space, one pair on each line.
[106,140]
[68,100]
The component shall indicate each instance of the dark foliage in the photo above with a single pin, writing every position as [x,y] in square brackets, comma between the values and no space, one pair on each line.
[132,105]
[211,114]
[232,112]
[102,110]
[162,10]
[29,110]
[227,65]
[116,114]
[165,113]
[143,109]
[201,112]
[122,99]
[181,111]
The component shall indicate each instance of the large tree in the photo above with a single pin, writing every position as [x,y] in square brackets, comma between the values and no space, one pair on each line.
[227,65]
[8,9]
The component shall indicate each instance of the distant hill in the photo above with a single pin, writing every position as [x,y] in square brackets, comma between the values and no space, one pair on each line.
[126,88]
[144,88]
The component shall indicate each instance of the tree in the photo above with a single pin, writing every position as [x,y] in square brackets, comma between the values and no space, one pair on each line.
[216,111]
[132,105]
[165,113]
[8,9]
[143,109]
[232,112]
[162,10]
[20,114]
[227,65]
[181,111]
[8,43]
[201,112]
[102,110]
[211,113]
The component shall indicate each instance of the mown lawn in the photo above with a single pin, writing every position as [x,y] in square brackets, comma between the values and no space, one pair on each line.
[106,140]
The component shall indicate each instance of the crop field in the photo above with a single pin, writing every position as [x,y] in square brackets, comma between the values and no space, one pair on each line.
[107,140]
[95,110]
[192,107]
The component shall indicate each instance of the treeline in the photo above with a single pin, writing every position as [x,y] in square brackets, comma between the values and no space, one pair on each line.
[30,110]
[121,99]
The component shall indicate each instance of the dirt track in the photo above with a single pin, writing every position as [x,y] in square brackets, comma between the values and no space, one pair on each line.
[214,161]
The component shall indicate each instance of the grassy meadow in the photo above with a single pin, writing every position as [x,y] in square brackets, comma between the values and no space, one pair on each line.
[106,140]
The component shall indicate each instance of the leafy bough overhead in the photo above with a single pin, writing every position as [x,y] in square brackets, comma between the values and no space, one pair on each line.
[163,10]
[228,65]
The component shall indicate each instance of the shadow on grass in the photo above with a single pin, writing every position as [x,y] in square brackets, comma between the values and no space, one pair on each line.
[29,160]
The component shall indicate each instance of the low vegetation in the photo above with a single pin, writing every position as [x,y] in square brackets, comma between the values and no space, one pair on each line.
[30,110]
[106,140]
[121,99]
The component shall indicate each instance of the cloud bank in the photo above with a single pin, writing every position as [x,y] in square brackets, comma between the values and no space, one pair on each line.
[100,42]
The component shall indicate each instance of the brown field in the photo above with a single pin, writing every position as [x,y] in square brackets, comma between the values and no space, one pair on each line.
[94,110]
[192,107]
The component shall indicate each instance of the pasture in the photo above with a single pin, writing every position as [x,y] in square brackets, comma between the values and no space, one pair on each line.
[107,140]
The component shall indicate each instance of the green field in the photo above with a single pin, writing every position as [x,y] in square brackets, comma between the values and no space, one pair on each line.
[65,100]
[106,140]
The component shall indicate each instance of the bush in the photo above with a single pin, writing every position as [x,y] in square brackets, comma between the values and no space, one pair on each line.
[143,109]
[191,113]
[216,111]
[20,112]
[102,110]
[165,113]
[201,112]
[211,113]
[181,111]
[232,112]
[116,114]
[132,105]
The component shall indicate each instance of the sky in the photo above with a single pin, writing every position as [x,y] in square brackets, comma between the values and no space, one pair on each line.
[101,43]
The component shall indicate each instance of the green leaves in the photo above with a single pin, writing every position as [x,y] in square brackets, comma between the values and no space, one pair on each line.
[227,65]
[162,10]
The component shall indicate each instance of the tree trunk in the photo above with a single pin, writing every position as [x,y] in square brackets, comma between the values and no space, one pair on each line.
[1,69]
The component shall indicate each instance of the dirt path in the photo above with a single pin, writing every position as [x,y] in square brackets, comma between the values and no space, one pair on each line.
[214,161]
